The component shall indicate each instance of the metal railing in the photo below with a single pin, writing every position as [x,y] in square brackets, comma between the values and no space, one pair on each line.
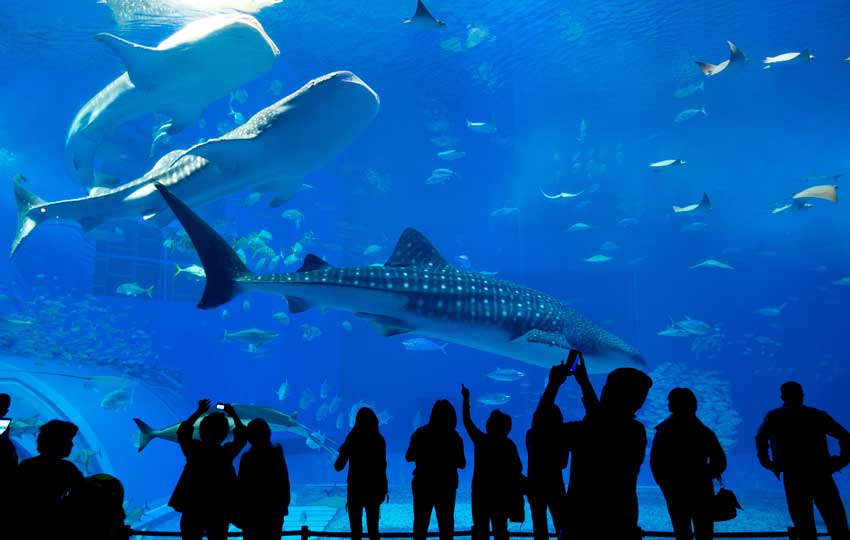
[305,534]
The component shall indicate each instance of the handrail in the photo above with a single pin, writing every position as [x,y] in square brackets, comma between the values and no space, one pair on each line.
[305,534]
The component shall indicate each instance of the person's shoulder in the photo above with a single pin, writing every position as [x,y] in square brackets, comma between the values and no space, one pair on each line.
[70,469]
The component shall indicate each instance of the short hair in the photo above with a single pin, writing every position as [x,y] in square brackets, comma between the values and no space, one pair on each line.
[791,391]
[55,438]
[682,401]
[214,428]
[258,431]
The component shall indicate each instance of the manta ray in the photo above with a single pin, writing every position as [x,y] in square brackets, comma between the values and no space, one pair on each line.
[271,152]
[179,78]
[416,291]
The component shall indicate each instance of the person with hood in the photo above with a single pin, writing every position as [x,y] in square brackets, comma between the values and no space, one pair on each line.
[685,457]
[437,450]
[497,480]
[365,452]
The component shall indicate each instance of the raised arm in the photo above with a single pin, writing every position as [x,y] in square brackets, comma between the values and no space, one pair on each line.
[471,429]
[186,431]
[240,434]
[588,394]
[557,375]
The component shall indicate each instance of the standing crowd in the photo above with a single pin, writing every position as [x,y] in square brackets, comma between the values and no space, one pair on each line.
[605,451]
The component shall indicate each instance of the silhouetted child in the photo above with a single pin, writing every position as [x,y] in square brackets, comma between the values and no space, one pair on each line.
[607,447]
[792,443]
[205,492]
[365,452]
[44,483]
[264,491]
[497,477]
[437,450]
[684,459]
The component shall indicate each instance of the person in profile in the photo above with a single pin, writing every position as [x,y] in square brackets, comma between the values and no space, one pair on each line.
[264,490]
[365,452]
[607,450]
[44,483]
[792,444]
[685,457]
[497,480]
[437,450]
[204,494]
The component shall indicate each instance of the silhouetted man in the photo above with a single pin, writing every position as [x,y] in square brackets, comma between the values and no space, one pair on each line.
[791,442]
[685,457]
[264,491]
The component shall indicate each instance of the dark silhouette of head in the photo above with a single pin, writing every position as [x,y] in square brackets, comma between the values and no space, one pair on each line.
[259,433]
[791,393]
[443,415]
[682,401]
[625,391]
[5,403]
[56,439]
[366,421]
[499,424]
[214,428]
[547,416]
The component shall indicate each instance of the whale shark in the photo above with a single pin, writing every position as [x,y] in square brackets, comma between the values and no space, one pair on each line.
[271,152]
[178,78]
[162,12]
[416,291]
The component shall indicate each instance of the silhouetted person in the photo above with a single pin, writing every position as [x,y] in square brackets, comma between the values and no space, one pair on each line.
[608,447]
[497,475]
[684,459]
[792,442]
[548,457]
[205,492]
[44,483]
[437,450]
[264,491]
[365,452]
[8,455]
[97,509]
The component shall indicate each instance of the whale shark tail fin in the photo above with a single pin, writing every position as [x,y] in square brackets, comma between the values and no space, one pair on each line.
[146,434]
[142,62]
[222,265]
[25,201]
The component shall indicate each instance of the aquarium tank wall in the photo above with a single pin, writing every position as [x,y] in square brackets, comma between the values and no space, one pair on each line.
[612,177]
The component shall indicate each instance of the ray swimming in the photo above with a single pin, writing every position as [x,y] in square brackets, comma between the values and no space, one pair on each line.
[416,291]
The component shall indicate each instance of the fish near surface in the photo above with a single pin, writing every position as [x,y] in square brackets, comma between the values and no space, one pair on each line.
[179,78]
[271,152]
[417,291]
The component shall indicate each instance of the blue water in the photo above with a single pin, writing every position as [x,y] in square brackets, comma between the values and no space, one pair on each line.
[541,69]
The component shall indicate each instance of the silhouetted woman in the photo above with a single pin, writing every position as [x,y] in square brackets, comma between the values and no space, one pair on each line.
[437,450]
[497,477]
[547,458]
[264,491]
[685,457]
[365,452]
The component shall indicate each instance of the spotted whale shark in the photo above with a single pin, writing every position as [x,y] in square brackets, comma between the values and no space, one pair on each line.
[272,152]
[416,291]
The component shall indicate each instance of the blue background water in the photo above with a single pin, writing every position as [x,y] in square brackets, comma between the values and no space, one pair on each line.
[542,69]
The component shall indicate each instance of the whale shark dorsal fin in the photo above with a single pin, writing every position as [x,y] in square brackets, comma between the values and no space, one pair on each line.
[142,62]
[313,262]
[413,249]
[705,203]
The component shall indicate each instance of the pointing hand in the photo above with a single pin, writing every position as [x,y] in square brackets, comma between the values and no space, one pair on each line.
[464,391]
[203,405]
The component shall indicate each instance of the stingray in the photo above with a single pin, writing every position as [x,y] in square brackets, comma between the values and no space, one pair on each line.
[826,192]
[423,17]
[736,58]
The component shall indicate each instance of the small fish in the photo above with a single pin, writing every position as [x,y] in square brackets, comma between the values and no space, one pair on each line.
[597,259]
[384,417]
[346,325]
[674,331]
[627,222]
[582,131]
[500,212]
[307,399]
[480,127]
[315,440]
[309,332]
[688,91]
[260,264]
[687,114]
[664,163]
[192,270]
[134,289]
[252,199]
[293,215]
[694,327]
[275,88]
[291,260]
[333,406]
[578,227]
[340,420]
[493,399]
[506,375]
[562,195]
[845,281]
[225,314]
[791,57]
[282,317]
[441,176]
[246,306]
[609,246]
[712,263]
[464,262]
[116,400]
[771,311]
[421,344]
[251,336]
[372,249]
[325,389]
[283,390]
[322,412]
[451,155]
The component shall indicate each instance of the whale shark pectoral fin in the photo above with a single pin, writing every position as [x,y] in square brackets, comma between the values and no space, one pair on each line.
[182,118]
[297,304]
[413,249]
[142,62]
[386,326]
[281,191]
[551,339]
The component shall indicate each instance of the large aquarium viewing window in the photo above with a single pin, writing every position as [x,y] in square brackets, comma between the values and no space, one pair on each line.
[305,209]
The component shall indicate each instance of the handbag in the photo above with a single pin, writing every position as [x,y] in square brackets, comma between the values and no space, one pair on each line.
[724,504]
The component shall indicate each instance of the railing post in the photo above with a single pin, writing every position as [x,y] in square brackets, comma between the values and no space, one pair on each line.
[792,534]
[305,532]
